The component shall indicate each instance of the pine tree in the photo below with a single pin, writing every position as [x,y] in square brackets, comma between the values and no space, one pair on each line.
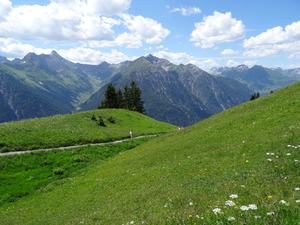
[111,98]
[131,99]
[120,99]
[136,98]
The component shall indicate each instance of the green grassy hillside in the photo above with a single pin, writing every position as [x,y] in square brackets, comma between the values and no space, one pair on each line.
[237,167]
[76,129]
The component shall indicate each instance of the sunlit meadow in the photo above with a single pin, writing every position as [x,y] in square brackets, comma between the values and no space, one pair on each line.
[237,167]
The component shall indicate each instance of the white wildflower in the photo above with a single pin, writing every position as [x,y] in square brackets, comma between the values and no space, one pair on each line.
[131,222]
[231,218]
[283,202]
[244,208]
[252,206]
[217,210]
[242,186]
[297,189]
[270,213]
[257,217]
[269,160]
[229,203]
[233,196]
[288,153]
[191,203]
[297,201]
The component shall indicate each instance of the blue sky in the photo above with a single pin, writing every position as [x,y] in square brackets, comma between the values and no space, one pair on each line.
[205,33]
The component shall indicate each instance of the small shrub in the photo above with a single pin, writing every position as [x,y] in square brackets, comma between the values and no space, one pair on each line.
[94,118]
[80,158]
[111,119]
[101,122]
[58,171]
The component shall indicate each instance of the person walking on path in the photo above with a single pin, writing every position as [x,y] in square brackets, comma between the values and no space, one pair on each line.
[131,133]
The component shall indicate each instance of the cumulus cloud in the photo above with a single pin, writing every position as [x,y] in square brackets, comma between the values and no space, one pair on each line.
[250,63]
[173,57]
[231,63]
[263,51]
[55,22]
[217,28]
[5,8]
[229,52]
[145,28]
[208,63]
[14,49]
[91,56]
[142,29]
[107,7]
[187,11]
[275,35]
[79,20]
[274,42]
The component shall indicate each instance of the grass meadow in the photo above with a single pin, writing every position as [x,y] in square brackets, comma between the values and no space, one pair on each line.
[240,166]
[23,174]
[76,129]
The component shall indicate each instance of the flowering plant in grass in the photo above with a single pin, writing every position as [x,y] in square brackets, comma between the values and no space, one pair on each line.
[229,203]
[233,196]
[217,210]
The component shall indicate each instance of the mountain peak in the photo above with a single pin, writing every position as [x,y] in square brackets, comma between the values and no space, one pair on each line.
[158,61]
[55,54]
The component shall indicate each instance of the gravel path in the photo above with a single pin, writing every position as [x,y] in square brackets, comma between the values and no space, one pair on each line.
[49,149]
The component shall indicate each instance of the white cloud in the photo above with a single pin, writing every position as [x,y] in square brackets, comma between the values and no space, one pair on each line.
[250,63]
[294,56]
[79,20]
[5,8]
[263,51]
[125,39]
[229,52]
[231,63]
[15,49]
[217,28]
[56,22]
[90,56]
[187,11]
[108,7]
[274,42]
[145,28]
[208,63]
[275,35]
[173,57]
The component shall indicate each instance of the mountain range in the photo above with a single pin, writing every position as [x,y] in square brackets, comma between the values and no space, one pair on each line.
[45,85]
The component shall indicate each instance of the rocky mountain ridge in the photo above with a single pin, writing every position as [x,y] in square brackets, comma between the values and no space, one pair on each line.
[45,85]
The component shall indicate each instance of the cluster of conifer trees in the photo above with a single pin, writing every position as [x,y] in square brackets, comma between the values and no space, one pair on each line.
[254,96]
[129,99]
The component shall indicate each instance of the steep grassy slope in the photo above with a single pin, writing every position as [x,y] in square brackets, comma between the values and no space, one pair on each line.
[76,129]
[237,167]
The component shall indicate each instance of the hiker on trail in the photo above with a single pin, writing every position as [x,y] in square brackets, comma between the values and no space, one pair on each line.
[131,133]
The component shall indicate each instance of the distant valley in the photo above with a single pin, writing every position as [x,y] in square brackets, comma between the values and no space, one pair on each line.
[46,85]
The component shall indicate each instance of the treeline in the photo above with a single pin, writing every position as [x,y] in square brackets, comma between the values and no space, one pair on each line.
[129,99]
